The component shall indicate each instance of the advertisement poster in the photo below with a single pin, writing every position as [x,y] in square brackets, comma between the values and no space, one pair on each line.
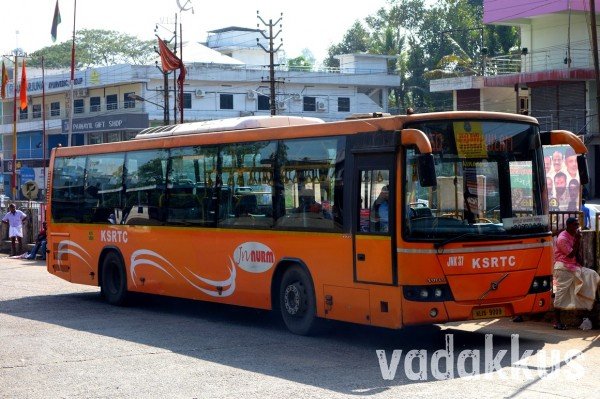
[562,178]
[470,141]
[522,185]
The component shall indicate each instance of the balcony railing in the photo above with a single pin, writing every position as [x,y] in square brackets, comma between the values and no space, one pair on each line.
[551,58]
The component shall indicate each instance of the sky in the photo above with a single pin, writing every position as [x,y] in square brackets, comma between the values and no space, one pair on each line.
[312,24]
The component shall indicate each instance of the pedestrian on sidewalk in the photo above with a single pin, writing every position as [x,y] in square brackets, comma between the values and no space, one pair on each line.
[15,218]
[576,285]
[40,244]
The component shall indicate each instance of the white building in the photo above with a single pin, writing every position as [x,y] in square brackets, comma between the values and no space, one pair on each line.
[551,78]
[231,79]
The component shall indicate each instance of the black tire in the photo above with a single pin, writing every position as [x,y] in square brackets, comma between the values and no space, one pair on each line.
[114,280]
[297,302]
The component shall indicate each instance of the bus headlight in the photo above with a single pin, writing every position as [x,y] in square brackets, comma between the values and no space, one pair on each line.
[540,284]
[427,293]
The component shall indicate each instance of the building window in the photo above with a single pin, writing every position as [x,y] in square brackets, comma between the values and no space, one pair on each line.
[23,113]
[226,101]
[94,104]
[78,106]
[128,102]
[112,102]
[263,103]
[29,145]
[37,111]
[95,138]
[55,108]
[187,100]
[343,104]
[309,104]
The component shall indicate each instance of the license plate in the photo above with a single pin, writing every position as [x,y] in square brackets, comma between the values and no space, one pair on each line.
[488,313]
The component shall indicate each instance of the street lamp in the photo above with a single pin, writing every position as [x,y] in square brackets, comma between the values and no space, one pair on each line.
[135,97]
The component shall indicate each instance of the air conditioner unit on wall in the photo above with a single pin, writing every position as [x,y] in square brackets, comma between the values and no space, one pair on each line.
[251,95]
[321,105]
[199,93]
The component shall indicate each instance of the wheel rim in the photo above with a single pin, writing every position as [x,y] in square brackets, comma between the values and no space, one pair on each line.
[294,299]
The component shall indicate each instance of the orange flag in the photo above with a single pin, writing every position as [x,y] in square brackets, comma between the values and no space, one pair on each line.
[23,88]
[171,62]
[4,80]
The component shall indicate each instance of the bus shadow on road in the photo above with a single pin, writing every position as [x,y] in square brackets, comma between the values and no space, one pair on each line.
[350,359]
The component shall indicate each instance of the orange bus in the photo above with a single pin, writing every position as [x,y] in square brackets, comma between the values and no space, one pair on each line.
[384,220]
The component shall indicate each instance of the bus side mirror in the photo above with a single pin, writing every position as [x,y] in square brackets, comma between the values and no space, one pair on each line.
[426,170]
[584,175]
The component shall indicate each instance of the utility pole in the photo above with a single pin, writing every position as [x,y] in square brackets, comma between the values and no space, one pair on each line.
[271,51]
[175,75]
[595,54]
[166,115]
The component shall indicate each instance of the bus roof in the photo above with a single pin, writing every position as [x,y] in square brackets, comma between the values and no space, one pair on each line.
[221,125]
[282,127]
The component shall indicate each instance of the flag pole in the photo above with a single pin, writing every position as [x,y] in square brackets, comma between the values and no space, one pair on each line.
[181,80]
[70,128]
[13,182]
[175,85]
[44,129]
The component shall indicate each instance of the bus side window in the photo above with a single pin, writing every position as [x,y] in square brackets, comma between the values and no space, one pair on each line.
[144,186]
[310,184]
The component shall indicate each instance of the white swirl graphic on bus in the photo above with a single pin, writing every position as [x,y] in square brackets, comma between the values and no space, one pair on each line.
[145,257]
[65,248]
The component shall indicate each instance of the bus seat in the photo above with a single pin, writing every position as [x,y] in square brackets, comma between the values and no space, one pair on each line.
[182,207]
[246,205]
[418,210]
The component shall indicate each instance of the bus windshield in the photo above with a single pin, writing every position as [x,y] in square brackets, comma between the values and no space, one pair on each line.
[489,181]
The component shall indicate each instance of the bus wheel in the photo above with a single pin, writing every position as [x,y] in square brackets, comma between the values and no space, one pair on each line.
[114,280]
[297,302]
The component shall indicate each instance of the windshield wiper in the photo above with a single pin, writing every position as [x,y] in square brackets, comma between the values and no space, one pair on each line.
[440,244]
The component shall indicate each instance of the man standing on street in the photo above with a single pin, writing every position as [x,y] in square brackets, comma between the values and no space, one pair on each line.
[15,218]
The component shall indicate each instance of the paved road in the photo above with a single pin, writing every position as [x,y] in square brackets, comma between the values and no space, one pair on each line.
[61,340]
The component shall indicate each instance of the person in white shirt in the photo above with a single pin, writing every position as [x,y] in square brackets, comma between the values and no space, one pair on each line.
[14,219]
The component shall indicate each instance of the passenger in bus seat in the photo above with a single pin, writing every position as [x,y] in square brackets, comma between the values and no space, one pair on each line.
[15,218]
[576,285]
[246,205]
[307,202]
[381,211]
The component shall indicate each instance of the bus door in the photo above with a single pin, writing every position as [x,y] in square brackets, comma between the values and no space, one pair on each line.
[374,198]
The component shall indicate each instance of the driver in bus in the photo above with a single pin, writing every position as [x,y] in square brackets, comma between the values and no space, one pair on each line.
[471,207]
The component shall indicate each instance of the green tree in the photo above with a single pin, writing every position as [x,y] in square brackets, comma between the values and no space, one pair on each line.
[97,47]
[299,64]
[303,62]
[356,40]
[395,31]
